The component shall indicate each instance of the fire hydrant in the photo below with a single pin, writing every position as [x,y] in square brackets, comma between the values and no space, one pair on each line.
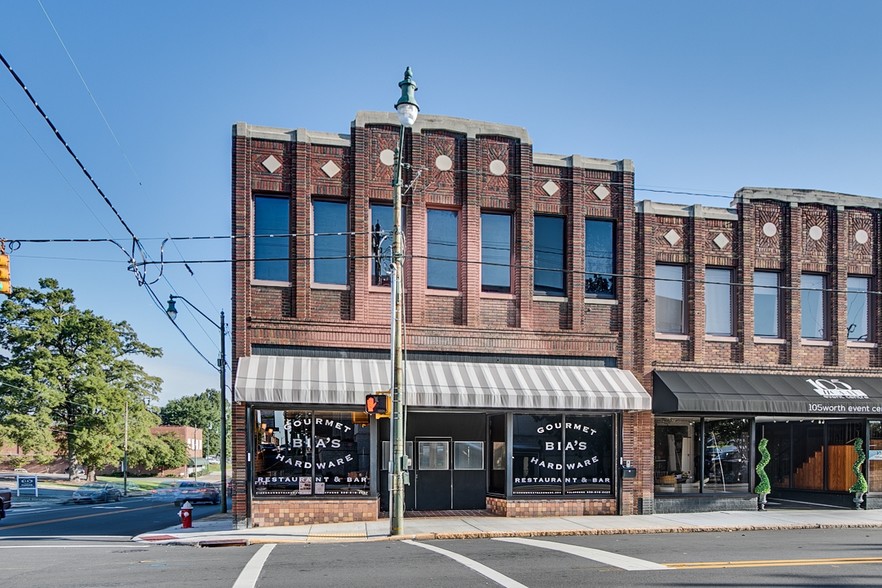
[186,514]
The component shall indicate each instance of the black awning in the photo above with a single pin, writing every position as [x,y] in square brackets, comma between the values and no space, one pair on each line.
[760,394]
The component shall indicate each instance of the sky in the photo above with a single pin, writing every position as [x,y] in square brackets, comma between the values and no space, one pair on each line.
[704,98]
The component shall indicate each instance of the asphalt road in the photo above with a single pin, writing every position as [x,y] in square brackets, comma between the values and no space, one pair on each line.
[131,516]
[841,557]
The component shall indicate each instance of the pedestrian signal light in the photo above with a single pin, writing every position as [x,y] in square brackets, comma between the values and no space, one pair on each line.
[5,281]
[379,405]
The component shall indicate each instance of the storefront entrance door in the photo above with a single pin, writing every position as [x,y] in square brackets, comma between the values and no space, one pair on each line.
[434,480]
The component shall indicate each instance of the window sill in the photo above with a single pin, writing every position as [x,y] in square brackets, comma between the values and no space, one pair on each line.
[769,341]
[541,298]
[816,343]
[271,283]
[720,339]
[498,295]
[671,337]
[329,286]
[382,289]
[450,293]
[862,344]
[602,301]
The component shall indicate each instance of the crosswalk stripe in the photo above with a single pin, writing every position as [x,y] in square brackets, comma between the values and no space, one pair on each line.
[624,562]
[251,572]
[490,573]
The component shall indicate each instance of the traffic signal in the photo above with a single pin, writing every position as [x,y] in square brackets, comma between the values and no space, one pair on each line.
[379,405]
[5,281]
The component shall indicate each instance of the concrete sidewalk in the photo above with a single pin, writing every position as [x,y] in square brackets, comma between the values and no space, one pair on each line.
[218,529]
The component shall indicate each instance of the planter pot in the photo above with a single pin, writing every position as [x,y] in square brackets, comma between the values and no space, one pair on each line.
[858,499]
[761,501]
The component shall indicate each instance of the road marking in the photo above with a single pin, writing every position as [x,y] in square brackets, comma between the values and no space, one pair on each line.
[109,507]
[490,573]
[56,546]
[251,572]
[771,563]
[85,516]
[632,564]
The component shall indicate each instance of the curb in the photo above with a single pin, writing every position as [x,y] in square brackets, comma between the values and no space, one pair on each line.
[439,536]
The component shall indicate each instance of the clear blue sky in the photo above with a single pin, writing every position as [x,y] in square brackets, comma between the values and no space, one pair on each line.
[704,97]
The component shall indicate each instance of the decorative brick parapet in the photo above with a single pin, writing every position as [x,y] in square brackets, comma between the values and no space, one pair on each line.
[278,513]
[550,508]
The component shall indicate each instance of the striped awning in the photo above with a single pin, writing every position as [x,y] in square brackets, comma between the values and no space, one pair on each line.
[438,384]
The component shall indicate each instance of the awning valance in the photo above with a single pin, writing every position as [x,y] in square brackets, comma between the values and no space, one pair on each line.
[438,384]
[762,394]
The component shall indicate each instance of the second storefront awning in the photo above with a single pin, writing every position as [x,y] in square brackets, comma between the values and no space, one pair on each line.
[765,394]
[438,384]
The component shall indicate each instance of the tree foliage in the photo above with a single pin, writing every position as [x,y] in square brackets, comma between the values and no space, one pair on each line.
[198,410]
[763,486]
[68,382]
[860,484]
[162,452]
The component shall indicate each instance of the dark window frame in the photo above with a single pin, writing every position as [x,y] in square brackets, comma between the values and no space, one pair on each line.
[317,235]
[538,268]
[812,291]
[711,284]
[777,323]
[601,284]
[276,268]
[439,262]
[497,288]
[683,297]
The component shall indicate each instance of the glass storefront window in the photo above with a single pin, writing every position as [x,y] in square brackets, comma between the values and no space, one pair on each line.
[677,465]
[726,455]
[553,454]
[681,466]
[310,453]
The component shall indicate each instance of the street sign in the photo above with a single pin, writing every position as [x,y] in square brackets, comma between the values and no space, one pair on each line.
[26,483]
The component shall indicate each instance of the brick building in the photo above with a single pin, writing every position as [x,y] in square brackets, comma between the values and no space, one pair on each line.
[519,274]
[760,320]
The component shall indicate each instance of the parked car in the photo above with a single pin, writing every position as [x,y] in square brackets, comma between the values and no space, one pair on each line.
[97,492]
[5,502]
[193,491]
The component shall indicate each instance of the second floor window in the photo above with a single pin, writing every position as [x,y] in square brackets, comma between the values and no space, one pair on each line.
[442,266]
[271,241]
[599,258]
[718,301]
[381,244]
[495,252]
[548,256]
[330,225]
[813,304]
[858,319]
[670,316]
[766,318]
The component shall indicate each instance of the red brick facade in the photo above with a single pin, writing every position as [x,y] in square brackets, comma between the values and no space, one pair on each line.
[352,168]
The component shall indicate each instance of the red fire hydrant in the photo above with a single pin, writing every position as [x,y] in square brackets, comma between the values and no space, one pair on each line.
[186,514]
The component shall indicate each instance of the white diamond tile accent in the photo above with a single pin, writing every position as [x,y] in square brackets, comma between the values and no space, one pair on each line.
[550,188]
[497,167]
[770,230]
[672,237]
[721,241]
[443,163]
[271,164]
[861,236]
[331,169]
[815,233]
[387,157]
[602,192]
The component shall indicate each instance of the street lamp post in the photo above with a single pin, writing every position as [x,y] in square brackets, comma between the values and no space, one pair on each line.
[407,109]
[222,368]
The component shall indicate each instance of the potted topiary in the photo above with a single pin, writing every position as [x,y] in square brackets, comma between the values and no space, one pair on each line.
[763,488]
[860,486]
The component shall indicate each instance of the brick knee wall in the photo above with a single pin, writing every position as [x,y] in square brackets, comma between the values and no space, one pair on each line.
[274,513]
[550,508]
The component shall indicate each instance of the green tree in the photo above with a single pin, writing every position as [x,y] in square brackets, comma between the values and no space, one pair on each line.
[162,452]
[67,375]
[198,410]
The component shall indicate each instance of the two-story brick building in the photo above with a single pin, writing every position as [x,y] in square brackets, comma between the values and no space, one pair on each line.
[518,271]
[541,305]
[760,320]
